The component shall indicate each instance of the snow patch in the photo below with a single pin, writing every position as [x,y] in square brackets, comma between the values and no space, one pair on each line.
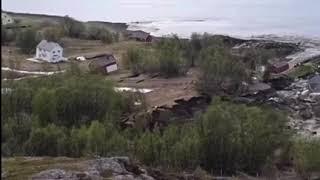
[31,72]
[122,89]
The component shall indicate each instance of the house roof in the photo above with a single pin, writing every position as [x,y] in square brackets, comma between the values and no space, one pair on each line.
[279,64]
[259,87]
[314,83]
[102,60]
[138,34]
[44,44]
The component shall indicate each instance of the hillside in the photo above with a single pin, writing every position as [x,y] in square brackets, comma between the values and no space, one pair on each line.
[42,19]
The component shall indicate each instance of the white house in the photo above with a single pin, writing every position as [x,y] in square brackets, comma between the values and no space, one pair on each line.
[6,19]
[49,51]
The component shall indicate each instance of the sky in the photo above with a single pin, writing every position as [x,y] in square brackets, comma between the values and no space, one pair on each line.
[130,10]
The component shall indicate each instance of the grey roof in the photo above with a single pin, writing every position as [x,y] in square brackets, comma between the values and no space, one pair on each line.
[259,87]
[138,34]
[49,46]
[102,61]
[280,64]
[314,83]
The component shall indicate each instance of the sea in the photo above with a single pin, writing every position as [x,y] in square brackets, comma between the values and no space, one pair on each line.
[240,18]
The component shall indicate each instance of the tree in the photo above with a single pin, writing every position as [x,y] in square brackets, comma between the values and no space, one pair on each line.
[106,37]
[50,140]
[44,106]
[53,34]
[306,156]
[237,137]
[27,41]
[78,138]
[170,58]
[96,138]
[221,72]
[133,60]
[72,28]
[195,47]
[7,35]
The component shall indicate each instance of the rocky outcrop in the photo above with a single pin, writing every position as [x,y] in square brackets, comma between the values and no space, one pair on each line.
[303,107]
[115,167]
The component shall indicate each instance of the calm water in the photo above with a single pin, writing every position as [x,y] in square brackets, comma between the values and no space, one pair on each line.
[233,17]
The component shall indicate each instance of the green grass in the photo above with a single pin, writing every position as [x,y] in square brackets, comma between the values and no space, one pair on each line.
[18,168]
[302,70]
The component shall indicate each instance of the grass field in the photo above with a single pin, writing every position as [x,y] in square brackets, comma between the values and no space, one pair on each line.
[18,168]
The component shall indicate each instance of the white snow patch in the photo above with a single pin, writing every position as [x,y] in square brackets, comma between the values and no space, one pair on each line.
[31,72]
[80,58]
[17,79]
[34,60]
[144,91]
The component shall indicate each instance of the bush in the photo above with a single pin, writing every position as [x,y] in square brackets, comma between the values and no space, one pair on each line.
[195,48]
[306,153]
[240,138]
[171,61]
[53,34]
[44,105]
[96,142]
[106,37]
[220,71]
[7,35]
[15,132]
[78,140]
[73,28]
[50,141]
[27,40]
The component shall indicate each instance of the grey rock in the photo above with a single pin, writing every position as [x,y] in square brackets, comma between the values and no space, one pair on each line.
[4,174]
[115,167]
[316,110]
[104,166]
[306,114]
[53,174]
[124,177]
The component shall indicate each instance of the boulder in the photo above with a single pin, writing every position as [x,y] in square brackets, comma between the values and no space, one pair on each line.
[114,165]
[316,110]
[53,174]
[98,169]
[306,114]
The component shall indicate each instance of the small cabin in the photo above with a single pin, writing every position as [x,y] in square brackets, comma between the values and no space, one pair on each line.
[104,63]
[278,67]
[139,36]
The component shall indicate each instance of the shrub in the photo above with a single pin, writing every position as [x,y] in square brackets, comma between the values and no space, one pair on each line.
[44,105]
[53,34]
[103,34]
[220,71]
[73,28]
[50,141]
[237,137]
[133,60]
[106,37]
[96,138]
[195,48]
[27,40]
[306,153]
[15,132]
[7,35]
[78,139]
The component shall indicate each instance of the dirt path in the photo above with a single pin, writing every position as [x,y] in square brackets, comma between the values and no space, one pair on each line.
[164,91]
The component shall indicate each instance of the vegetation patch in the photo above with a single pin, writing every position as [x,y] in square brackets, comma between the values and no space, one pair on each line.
[302,71]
